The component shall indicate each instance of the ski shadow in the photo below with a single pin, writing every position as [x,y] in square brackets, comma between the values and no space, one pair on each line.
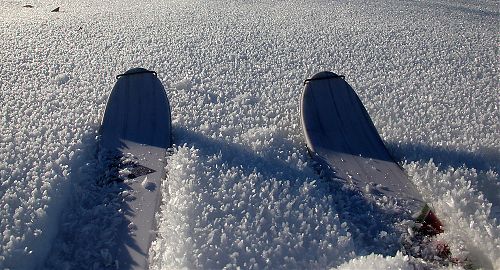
[374,229]
[92,231]
[483,160]
[235,155]
[371,227]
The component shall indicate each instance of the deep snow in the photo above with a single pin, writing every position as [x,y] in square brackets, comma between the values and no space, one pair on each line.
[240,189]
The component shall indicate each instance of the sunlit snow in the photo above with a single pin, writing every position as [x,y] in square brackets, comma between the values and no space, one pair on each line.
[240,189]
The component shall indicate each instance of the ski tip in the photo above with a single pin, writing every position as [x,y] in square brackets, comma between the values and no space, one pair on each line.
[324,75]
[134,71]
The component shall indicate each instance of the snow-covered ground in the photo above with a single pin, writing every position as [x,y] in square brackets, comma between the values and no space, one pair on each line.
[240,188]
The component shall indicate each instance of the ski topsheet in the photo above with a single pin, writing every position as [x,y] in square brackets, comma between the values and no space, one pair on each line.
[136,130]
[340,134]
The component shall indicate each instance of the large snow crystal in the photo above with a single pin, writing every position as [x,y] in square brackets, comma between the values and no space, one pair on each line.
[240,188]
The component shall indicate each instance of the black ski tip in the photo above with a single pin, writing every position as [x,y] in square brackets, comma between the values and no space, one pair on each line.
[324,75]
[55,10]
[136,71]
[28,6]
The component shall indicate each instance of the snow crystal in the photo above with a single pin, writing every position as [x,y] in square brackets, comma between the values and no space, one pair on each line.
[61,79]
[398,262]
[241,190]
[182,84]
[255,220]
[148,185]
[461,207]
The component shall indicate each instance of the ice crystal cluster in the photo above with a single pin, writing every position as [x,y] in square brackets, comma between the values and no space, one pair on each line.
[240,189]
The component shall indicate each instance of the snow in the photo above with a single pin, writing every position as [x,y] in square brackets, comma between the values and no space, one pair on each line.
[148,185]
[376,261]
[241,190]
[464,208]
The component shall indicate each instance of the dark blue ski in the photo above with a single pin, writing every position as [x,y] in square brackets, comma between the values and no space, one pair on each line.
[340,134]
[136,128]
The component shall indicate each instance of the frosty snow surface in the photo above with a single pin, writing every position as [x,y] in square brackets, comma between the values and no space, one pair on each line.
[240,188]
